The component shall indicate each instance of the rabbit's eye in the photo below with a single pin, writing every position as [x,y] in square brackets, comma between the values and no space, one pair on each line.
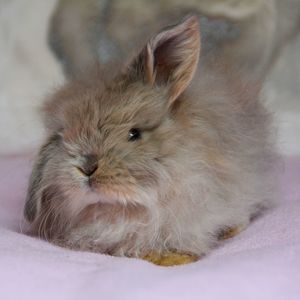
[134,134]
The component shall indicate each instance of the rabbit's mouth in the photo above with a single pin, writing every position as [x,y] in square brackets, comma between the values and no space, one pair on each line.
[113,193]
[112,189]
[124,195]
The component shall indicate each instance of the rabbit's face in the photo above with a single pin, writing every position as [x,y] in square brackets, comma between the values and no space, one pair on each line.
[114,142]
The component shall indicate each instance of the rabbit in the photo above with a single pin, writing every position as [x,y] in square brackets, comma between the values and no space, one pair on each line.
[159,155]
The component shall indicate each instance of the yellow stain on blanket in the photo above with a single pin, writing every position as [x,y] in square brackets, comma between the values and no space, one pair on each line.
[170,258]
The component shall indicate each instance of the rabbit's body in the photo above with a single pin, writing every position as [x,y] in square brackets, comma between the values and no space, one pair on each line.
[202,160]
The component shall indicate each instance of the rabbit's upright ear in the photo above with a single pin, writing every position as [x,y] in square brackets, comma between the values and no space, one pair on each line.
[170,58]
[36,182]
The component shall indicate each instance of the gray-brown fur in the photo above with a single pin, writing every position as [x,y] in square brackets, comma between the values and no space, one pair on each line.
[33,199]
[206,160]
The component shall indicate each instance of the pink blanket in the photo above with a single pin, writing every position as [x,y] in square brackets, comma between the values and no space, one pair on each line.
[261,263]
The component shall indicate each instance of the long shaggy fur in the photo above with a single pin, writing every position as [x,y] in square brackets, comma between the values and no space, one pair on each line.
[205,162]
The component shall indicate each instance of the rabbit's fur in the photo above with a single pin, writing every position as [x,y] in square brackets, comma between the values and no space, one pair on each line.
[205,160]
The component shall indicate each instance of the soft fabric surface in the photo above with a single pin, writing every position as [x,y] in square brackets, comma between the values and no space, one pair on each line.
[263,262]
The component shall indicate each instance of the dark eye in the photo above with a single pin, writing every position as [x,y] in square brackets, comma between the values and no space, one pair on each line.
[134,134]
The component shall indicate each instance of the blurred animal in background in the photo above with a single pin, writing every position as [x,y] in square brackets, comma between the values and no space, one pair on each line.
[247,34]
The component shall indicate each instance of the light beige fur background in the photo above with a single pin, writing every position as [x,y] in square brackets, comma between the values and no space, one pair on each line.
[28,71]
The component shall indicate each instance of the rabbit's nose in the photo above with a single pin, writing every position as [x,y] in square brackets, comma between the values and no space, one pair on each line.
[90,166]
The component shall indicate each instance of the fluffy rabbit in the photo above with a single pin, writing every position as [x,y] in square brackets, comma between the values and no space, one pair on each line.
[161,156]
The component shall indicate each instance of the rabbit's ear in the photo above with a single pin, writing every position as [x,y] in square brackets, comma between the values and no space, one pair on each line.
[170,58]
[35,188]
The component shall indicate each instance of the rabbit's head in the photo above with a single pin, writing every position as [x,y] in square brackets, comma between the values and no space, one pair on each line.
[113,141]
